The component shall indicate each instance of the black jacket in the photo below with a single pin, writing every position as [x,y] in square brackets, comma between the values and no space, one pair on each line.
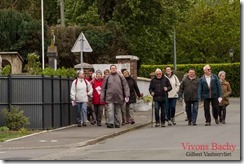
[157,86]
[189,88]
[133,89]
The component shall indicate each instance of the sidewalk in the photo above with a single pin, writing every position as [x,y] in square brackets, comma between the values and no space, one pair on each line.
[73,136]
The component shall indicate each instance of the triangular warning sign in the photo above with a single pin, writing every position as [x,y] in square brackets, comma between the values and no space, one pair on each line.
[77,46]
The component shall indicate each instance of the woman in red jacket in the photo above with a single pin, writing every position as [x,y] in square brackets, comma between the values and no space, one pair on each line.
[98,105]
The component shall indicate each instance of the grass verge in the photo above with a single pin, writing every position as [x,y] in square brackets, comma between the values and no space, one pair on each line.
[6,135]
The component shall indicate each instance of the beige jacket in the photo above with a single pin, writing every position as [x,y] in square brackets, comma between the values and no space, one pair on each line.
[175,83]
[226,91]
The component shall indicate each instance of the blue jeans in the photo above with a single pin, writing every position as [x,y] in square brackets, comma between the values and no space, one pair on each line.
[192,111]
[158,106]
[170,109]
[81,111]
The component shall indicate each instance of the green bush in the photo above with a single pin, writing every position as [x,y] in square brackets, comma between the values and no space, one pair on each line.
[33,66]
[232,72]
[14,118]
[64,72]
[6,70]
[4,129]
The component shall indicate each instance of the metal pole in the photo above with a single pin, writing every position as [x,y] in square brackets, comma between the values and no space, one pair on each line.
[175,66]
[81,53]
[42,34]
[62,12]
[1,61]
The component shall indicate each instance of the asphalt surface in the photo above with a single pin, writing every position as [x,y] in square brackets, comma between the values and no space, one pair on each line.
[49,144]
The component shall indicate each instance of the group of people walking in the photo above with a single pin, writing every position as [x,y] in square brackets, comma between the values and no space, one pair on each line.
[113,94]
[210,88]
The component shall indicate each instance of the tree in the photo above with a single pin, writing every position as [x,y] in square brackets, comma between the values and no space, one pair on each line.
[148,26]
[210,29]
[33,7]
[82,13]
[19,32]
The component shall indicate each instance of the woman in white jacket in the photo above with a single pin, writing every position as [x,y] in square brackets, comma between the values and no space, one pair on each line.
[80,90]
[172,95]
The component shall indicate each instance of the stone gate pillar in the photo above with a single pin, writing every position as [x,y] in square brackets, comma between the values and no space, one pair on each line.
[132,60]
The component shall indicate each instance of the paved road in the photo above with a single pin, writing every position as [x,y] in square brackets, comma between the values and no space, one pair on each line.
[169,143]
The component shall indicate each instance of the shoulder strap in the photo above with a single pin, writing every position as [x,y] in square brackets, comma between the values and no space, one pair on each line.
[106,83]
[86,86]
[106,86]
[122,85]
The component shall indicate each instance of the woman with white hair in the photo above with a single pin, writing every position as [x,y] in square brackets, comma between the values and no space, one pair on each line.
[226,91]
[134,93]
[79,92]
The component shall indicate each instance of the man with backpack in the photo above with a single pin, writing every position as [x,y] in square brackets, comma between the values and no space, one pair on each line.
[115,91]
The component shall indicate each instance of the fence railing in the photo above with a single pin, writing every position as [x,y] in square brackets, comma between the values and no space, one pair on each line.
[45,100]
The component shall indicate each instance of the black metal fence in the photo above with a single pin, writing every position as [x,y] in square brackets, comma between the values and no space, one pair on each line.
[45,100]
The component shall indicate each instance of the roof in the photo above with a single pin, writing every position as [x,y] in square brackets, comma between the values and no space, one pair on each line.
[85,65]
[12,53]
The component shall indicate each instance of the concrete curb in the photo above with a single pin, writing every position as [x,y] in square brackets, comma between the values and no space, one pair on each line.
[97,140]
[84,143]
[44,131]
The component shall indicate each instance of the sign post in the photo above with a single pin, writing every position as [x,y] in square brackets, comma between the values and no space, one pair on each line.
[81,45]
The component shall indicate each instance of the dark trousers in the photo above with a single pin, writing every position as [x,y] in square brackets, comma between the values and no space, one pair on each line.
[158,106]
[222,113]
[91,112]
[170,111]
[99,112]
[215,105]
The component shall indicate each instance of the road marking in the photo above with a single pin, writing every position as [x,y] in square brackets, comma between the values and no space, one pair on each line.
[42,140]
[54,140]
[1,152]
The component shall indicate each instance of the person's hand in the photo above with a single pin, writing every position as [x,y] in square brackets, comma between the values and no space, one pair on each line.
[220,99]
[73,103]
[165,89]
[126,99]
[152,93]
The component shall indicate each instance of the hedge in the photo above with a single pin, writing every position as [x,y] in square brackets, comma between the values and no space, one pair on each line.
[232,72]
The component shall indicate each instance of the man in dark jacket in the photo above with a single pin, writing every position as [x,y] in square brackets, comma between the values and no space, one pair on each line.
[189,87]
[159,88]
[209,90]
